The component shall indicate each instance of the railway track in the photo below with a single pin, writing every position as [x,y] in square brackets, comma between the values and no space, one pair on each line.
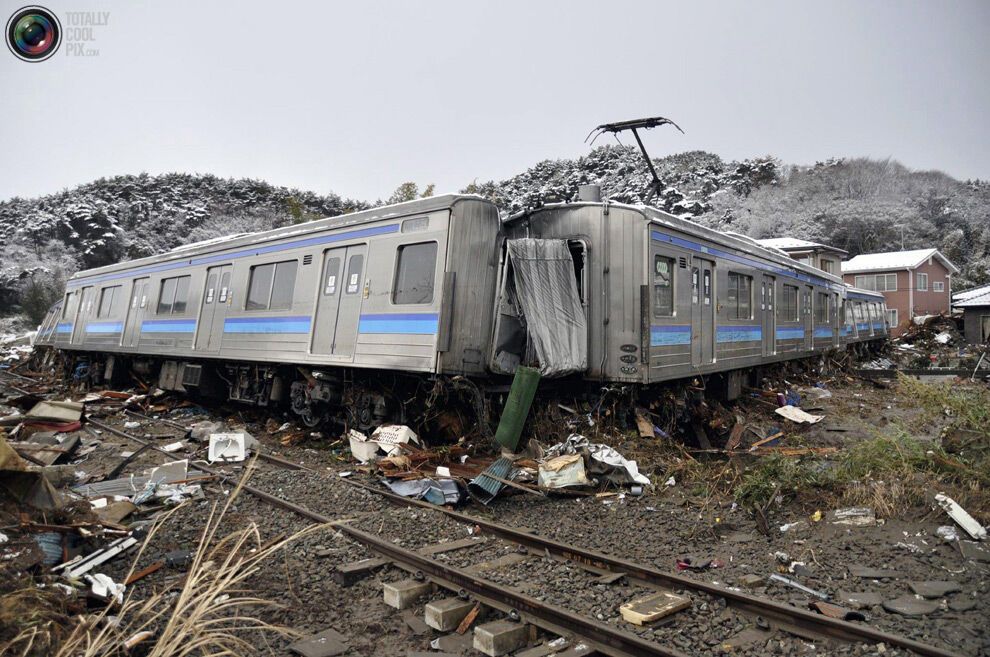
[604,637]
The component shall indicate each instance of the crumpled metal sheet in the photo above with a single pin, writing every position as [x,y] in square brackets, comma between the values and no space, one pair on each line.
[547,291]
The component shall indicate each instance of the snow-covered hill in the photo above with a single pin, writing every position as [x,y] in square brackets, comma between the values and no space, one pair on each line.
[859,205]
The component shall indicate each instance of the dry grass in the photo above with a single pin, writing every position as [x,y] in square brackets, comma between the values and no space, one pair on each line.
[212,613]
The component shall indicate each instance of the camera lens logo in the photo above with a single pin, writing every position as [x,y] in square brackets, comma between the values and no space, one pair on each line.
[33,34]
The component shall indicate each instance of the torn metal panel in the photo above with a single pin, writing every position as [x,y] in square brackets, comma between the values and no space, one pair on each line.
[547,291]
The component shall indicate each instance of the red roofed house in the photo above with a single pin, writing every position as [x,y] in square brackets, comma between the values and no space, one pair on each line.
[914,283]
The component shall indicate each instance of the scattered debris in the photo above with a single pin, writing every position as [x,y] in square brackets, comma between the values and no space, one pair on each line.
[934,589]
[231,447]
[653,607]
[961,516]
[563,471]
[327,643]
[911,606]
[857,516]
[795,414]
[797,585]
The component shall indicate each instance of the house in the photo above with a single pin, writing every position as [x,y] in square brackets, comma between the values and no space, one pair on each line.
[824,257]
[917,282]
[975,306]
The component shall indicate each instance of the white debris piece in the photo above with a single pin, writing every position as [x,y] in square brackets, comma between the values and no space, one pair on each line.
[131,425]
[947,533]
[563,471]
[943,338]
[230,446]
[105,587]
[795,414]
[961,516]
[390,436]
[362,449]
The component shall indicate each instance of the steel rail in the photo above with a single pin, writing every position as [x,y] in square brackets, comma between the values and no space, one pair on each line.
[607,639]
[791,618]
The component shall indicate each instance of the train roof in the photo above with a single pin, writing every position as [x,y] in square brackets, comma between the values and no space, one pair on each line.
[689,227]
[241,240]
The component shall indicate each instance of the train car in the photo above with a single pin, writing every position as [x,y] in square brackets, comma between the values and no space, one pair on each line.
[344,317]
[668,299]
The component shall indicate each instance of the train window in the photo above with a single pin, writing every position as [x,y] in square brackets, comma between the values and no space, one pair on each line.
[271,286]
[739,296]
[333,273]
[224,287]
[109,301]
[260,288]
[284,285]
[694,285]
[787,309]
[415,269]
[173,295]
[211,287]
[821,309]
[415,225]
[354,273]
[181,295]
[65,305]
[663,286]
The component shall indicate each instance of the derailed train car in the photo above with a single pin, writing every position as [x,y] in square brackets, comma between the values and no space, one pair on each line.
[344,317]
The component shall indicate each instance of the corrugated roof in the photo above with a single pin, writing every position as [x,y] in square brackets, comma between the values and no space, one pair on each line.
[894,260]
[793,244]
[978,296]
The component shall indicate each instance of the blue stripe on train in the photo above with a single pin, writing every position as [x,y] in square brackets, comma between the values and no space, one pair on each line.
[739,334]
[64,327]
[401,323]
[104,327]
[226,257]
[878,325]
[845,330]
[168,326]
[862,327]
[664,336]
[299,324]
[790,333]
[823,332]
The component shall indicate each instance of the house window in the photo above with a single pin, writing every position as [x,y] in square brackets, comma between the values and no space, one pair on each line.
[877,282]
[109,301]
[823,310]
[739,298]
[663,286]
[415,269]
[922,281]
[173,295]
[271,286]
[787,309]
[892,317]
[828,266]
[938,286]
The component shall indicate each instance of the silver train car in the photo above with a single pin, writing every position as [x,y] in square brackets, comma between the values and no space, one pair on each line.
[341,316]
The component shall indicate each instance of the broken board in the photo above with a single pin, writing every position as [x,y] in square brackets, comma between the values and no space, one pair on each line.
[653,607]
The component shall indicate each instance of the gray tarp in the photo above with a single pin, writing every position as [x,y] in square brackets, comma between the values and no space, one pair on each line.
[547,291]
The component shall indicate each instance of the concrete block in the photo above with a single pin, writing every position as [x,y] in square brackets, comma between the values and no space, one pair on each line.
[445,615]
[405,593]
[500,637]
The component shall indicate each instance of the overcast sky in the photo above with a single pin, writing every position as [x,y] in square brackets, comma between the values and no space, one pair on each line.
[357,97]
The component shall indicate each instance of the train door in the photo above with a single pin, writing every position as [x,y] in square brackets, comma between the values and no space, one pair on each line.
[769,324]
[702,312]
[82,314]
[216,298]
[835,319]
[349,308]
[809,318]
[136,311]
[338,310]
[328,302]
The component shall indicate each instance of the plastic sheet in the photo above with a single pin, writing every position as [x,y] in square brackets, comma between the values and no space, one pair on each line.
[546,289]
